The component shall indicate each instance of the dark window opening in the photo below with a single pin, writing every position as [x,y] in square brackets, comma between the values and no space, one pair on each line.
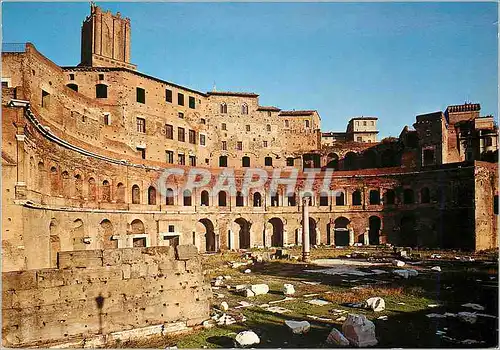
[192,160]
[224,145]
[181,115]
[429,157]
[223,108]
[239,199]
[182,159]
[73,87]
[356,198]
[139,242]
[268,161]
[340,199]
[192,137]
[170,157]
[141,125]
[143,152]
[275,200]
[101,91]
[168,95]
[408,196]
[101,76]
[390,197]
[180,99]
[495,205]
[323,200]
[239,145]
[292,200]
[290,161]
[45,99]
[192,102]
[181,135]
[245,162]
[222,199]
[223,161]
[169,131]
[71,76]
[141,95]
[257,199]
[204,199]
[187,198]
[169,200]
[374,197]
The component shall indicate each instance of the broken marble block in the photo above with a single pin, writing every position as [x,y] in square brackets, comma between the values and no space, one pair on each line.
[298,327]
[288,289]
[224,306]
[398,263]
[259,289]
[337,338]
[359,331]
[247,293]
[247,338]
[376,304]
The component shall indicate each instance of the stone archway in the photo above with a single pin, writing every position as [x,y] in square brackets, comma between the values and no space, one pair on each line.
[210,241]
[243,233]
[277,233]
[341,231]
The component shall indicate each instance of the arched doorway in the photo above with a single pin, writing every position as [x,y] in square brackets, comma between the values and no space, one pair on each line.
[77,234]
[277,235]
[350,161]
[244,233]
[107,228]
[210,244]
[333,161]
[341,231]
[374,230]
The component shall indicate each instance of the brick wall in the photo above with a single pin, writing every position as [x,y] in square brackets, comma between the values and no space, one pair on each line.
[49,305]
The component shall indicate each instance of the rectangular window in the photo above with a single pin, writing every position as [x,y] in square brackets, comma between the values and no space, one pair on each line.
[202,140]
[364,123]
[168,95]
[180,99]
[192,137]
[192,160]
[169,131]
[141,125]
[192,103]
[181,134]
[143,152]
[181,115]
[107,119]
[360,139]
[171,228]
[307,123]
[170,157]
[5,84]
[141,95]
[289,161]
[182,159]
[101,77]
[239,145]
[248,127]
[264,144]
[224,126]
[224,145]
[45,99]
[71,76]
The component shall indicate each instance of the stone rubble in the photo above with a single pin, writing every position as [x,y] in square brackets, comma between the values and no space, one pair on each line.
[259,289]
[288,289]
[436,268]
[298,327]
[468,317]
[377,304]
[247,338]
[359,331]
[398,263]
[224,306]
[318,302]
[337,338]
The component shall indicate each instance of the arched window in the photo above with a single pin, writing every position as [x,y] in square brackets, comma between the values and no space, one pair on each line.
[223,107]
[223,161]
[244,109]
[356,198]
[66,186]
[333,161]
[245,162]
[425,195]
[169,196]
[239,199]
[151,195]
[186,198]
[78,185]
[408,196]
[222,199]
[101,91]
[339,198]
[73,87]
[120,193]
[204,199]
[268,161]
[106,191]
[350,161]
[390,197]
[275,200]
[136,195]
[323,200]
[374,197]
[257,199]
[292,199]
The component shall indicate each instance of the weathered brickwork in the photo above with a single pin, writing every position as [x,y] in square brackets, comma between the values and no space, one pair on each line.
[95,292]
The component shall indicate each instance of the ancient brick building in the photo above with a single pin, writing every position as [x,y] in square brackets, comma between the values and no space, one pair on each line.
[84,149]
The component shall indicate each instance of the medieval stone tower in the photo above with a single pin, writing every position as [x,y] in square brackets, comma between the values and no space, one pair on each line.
[105,40]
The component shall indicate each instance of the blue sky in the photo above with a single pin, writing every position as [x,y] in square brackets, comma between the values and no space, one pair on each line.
[391,60]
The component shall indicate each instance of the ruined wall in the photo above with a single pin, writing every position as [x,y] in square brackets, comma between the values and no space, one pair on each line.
[486,192]
[139,287]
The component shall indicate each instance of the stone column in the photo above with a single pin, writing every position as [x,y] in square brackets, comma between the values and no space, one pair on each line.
[366,239]
[285,238]
[305,229]
[351,236]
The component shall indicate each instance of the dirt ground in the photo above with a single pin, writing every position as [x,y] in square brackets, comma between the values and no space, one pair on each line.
[408,301]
